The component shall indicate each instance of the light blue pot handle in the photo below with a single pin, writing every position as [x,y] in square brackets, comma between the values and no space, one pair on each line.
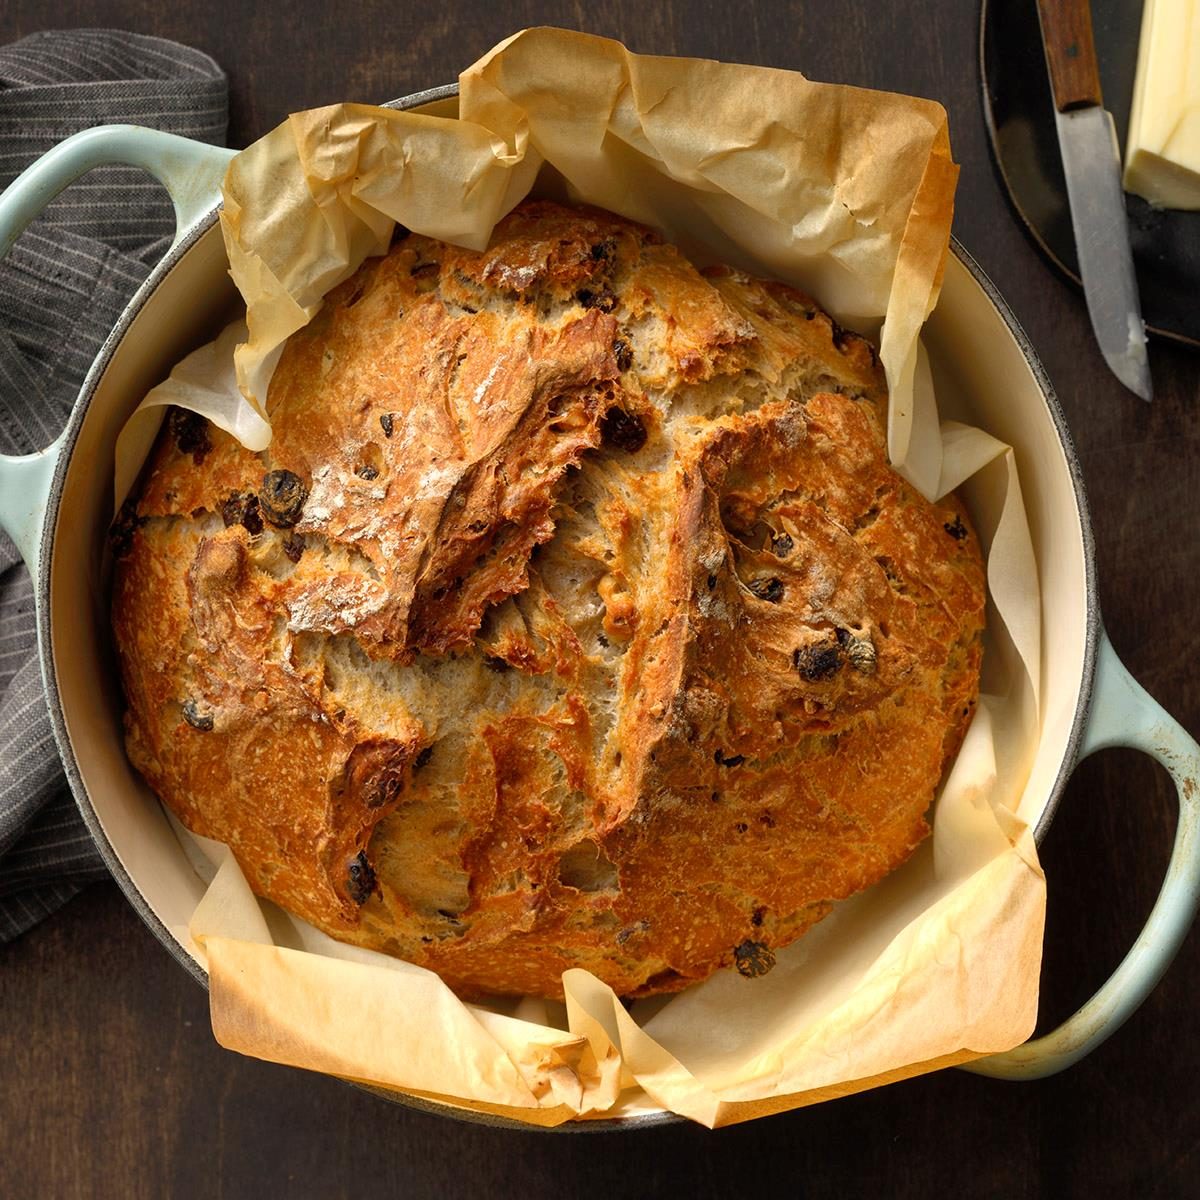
[190,171]
[1122,714]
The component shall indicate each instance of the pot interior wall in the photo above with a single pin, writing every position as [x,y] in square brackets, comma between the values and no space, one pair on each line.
[188,307]
[983,377]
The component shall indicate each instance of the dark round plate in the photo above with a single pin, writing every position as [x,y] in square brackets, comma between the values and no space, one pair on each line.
[1020,120]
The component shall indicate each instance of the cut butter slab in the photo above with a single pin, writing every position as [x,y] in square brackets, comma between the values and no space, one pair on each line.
[1162,162]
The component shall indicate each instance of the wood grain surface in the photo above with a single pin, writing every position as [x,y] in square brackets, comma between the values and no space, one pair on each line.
[111,1083]
[1070,53]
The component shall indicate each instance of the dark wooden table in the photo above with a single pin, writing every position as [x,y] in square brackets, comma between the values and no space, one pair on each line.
[111,1082]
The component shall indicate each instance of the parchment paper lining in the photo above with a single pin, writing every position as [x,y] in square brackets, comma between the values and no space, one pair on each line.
[845,193]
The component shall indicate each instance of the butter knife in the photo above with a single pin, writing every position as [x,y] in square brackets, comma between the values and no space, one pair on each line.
[1092,164]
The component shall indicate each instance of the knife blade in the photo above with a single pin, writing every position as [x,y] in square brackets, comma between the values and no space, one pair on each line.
[1092,166]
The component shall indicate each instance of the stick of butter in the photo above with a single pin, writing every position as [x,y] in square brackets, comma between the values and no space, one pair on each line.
[1162,162]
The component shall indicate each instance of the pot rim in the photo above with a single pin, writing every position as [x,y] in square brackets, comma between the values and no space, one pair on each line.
[58,717]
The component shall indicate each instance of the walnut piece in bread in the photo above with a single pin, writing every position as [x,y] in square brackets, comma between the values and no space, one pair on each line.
[573,618]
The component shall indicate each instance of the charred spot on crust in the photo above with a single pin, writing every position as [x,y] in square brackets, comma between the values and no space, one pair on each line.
[781,545]
[753,959]
[423,758]
[623,430]
[388,423]
[282,498]
[125,525]
[817,663]
[196,717]
[599,298]
[756,917]
[190,431]
[293,547]
[956,529]
[366,471]
[360,878]
[241,508]
[623,354]
[733,760]
[604,250]
[770,589]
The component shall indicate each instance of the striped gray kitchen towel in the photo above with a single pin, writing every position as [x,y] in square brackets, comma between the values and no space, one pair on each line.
[62,287]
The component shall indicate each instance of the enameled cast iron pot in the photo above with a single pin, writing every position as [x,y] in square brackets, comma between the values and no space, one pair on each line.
[56,506]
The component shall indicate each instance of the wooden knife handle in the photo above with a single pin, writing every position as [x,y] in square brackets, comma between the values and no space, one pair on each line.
[1070,53]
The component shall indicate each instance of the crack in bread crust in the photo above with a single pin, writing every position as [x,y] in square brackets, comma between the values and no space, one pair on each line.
[599,632]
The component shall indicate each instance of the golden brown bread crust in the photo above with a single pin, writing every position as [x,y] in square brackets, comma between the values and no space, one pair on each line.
[574,617]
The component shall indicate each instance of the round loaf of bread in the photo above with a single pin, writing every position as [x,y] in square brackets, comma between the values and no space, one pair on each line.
[573,618]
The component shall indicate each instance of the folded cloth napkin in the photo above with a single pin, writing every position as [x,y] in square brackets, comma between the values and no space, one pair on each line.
[62,287]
